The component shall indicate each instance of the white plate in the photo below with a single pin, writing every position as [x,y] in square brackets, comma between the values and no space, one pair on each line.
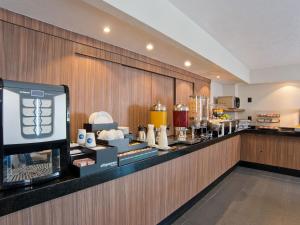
[100,118]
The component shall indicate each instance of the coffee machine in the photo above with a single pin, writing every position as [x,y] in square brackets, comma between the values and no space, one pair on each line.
[34,141]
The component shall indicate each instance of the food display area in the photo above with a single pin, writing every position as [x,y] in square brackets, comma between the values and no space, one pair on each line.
[157,180]
[96,134]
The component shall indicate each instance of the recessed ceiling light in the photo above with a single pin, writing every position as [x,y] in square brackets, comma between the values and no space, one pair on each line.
[149,47]
[218,77]
[187,63]
[106,29]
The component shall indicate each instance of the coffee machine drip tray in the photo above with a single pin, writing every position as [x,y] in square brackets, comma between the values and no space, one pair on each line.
[29,172]
[26,168]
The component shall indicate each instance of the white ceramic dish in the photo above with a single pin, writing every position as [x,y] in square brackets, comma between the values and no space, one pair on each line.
[110,135]
[100,118]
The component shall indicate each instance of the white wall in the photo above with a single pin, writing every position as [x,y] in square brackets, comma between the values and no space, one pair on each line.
[216,89]
[283,98]
[280,97]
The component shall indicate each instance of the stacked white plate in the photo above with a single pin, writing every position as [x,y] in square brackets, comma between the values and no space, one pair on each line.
[100,118]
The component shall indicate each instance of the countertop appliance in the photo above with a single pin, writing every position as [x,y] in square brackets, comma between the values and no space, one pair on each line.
[229,102]
[180,121]
[199,115]
[158,115]
[199,111]
[35,139]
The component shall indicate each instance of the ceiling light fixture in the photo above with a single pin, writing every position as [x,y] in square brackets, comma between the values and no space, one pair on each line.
[218,77]
[149,47]
[106,29]
[187,63]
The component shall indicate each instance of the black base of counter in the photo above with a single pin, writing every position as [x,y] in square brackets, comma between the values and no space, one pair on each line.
[274,169]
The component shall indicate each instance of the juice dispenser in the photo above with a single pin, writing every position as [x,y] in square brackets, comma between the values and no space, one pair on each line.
[180,121]
[158,115]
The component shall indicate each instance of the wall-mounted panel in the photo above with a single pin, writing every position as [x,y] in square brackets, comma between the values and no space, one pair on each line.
[163,91]
[184,89]
[202,88]
[100,76]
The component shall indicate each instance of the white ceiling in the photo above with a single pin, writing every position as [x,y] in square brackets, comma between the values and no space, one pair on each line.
[260,33]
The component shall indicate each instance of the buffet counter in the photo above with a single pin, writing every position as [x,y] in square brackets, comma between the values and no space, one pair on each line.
[145,192]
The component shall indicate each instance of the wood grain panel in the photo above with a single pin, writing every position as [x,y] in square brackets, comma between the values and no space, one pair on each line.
[35,57]
[202,88]
[184,90]
[163,91]
[279,151]
[145,197]
[110,50]
[99,79]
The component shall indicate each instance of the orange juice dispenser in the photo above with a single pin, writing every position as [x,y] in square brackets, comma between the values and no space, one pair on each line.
[158,115]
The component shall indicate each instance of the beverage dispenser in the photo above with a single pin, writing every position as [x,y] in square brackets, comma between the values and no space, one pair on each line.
[34,122]
[180,121]
[199,113]
[158,115]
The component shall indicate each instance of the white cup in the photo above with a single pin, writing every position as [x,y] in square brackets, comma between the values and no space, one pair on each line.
[102,134]
[90,140]
[81,136]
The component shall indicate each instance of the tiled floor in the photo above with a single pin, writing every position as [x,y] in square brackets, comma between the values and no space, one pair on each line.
[248,197]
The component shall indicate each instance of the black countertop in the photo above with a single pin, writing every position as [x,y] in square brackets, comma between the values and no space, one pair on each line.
[20,198]
[281,132]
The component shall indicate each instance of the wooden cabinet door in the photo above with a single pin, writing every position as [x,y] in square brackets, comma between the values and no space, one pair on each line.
[248,148]
[271,150]
[261,149]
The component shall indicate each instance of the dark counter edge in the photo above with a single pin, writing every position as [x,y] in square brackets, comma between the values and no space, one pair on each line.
[21,198]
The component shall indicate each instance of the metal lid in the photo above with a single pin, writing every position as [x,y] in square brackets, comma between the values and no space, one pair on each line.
[159,107]
[181,107]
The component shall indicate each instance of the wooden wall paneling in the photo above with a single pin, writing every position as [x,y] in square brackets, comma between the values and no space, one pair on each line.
[202,88]
[37,52]
[122,91]
[184,90]
[35,57]
[36,25]
[163,91]
[132,62]
[145,197]
[140,96]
